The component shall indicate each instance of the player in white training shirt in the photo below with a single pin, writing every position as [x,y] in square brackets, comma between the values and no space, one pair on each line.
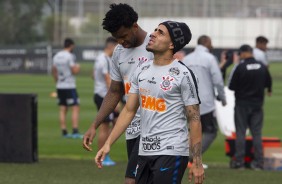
[168,96]
[259,51]
[121,22]
[102,81]
[64,68]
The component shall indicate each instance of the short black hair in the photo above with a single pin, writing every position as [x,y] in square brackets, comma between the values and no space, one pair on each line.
[261,39]
[119,15]
[202,40]
[245,48]
[68,42]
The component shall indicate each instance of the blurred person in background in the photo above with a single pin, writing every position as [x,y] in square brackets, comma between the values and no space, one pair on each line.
[130,53]
[205,66]
[248,80]
[63,70]
[179,55]
[102,81]
[259,52]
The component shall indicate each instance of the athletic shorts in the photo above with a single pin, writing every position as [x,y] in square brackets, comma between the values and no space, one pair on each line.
[132,154]
[209,123]
[98,100]
[163,169]
[67,97]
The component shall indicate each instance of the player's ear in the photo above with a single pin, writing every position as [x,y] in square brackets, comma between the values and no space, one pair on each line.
[171,46]
[135,26]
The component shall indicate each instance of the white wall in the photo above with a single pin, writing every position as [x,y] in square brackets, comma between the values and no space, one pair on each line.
[227,32]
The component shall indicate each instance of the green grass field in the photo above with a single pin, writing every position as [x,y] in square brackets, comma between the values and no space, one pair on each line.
[63,161]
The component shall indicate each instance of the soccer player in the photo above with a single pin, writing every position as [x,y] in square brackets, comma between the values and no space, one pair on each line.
[259,51]
[64,68]
[167,93]
[121,22]
[102,81]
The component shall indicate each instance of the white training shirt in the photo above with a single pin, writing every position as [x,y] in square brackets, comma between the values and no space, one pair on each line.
[260,56]
[124,64]
[63,61]
[164,92]
[205,66]
[101,68]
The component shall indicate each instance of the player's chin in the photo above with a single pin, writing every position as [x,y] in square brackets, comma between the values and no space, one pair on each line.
[149,48]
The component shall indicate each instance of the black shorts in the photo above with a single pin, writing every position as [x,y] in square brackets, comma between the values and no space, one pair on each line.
[209,123]
[132,154]
[67,97]
[98,100]
[163,169]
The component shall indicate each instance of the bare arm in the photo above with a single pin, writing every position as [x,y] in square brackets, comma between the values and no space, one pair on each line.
[124,119]
[193,115]
[55,73]
[75,69]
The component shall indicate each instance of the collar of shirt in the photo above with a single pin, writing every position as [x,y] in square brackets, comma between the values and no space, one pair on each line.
[201,48]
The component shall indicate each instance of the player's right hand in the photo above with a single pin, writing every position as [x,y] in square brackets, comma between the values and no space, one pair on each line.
[100,156]
[88,138]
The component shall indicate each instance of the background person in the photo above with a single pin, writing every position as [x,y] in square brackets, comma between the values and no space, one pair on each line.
[102,81]
[205,66]
[259,52]
[63,70]
[248,80]
[121,22]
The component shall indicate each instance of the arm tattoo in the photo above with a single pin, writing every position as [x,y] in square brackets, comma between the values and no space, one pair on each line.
[193,113]
[197,154]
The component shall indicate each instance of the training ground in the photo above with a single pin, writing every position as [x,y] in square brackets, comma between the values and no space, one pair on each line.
[63,161]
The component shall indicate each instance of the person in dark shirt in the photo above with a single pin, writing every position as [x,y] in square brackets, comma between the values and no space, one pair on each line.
[248,80]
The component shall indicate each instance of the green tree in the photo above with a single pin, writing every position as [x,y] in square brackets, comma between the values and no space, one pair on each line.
[19,21]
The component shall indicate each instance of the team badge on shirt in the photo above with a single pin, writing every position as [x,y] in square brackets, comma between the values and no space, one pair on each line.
[142,60]
[174,71]
[166,84]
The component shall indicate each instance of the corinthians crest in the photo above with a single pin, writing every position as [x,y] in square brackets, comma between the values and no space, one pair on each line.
[166,84]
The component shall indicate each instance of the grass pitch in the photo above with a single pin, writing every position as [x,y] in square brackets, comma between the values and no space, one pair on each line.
[63,161]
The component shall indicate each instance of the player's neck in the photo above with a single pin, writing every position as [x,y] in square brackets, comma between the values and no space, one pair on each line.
[141,35]
[163,59]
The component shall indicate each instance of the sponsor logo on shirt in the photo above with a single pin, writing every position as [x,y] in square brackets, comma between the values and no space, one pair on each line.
[131,61]
[253,66]
[166,84]
[133,128]
[145,67]
[151,143]
[127,86]
[173,71]
[153,104]
[190,87]
[142,60]
[152,81]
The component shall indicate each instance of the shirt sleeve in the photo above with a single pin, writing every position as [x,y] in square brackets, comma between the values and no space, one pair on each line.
[134,82]
[114,67]
[189,89]
[217,79]
[72,60]
[105,67]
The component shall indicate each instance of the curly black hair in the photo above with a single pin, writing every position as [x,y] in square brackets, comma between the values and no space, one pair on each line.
[119,15]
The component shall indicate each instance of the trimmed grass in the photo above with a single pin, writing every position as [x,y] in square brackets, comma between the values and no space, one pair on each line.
[64,160]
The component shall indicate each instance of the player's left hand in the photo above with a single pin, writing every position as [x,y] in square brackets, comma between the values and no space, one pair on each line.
[100,156]
[198,173]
